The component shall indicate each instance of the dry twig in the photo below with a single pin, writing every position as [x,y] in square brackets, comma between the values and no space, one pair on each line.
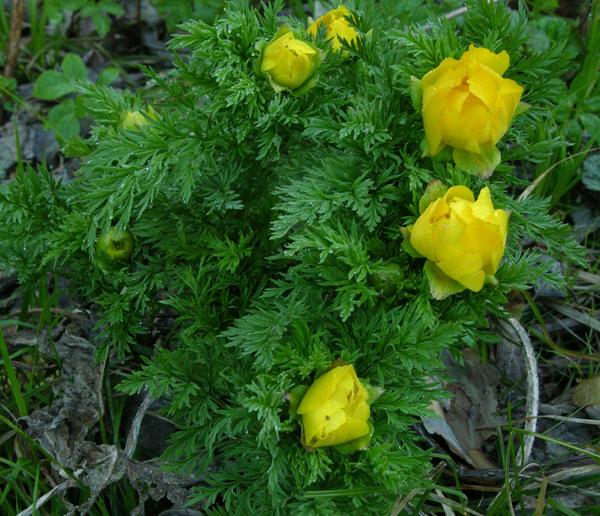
[14,38]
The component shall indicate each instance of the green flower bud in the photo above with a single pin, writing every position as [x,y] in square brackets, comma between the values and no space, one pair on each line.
[388,277]
[116,245]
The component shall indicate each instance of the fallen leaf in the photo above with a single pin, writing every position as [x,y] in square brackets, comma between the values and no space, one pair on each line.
[62,431]
[470,417]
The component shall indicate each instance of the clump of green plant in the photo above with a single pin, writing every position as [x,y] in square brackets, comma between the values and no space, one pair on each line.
[265,215]
[175,12]
[45,24]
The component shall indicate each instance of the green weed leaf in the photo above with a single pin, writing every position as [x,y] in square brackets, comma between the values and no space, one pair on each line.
[62,119]
[74,68]
[51,85]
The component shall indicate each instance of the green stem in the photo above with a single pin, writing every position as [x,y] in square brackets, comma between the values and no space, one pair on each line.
[13,381]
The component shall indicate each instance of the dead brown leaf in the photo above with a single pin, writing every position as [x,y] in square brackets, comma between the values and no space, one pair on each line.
[469,418]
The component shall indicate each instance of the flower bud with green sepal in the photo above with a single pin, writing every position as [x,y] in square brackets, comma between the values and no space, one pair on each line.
[335,409]
[387,278]
[135,120]
[113,248]
[289,63]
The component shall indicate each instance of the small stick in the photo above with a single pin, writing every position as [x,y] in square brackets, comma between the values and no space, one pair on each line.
[14,38]
[449,15]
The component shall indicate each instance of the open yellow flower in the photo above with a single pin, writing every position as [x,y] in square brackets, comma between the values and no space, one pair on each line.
[288,62]
[334,410]
[462,237]
[336,27]
[469,106]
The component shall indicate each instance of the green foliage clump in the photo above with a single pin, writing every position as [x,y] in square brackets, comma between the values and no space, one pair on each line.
[265,227]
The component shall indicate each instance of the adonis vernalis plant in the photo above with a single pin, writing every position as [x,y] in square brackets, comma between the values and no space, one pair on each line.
[264,219]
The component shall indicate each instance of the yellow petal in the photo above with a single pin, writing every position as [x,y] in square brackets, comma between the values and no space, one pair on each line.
[340,28]
[334,410]
[483,208]
[459,192]
[336,25]
[501,219]
[323,388]
[468,130]
[447,232]
[484,83]
[485,240]
[349,431]
[446,66]
[463,210]
[510,95]
[497,62]
[299,47]
[455,100]
[504,109]
[433,111]
[421,235]
[454,77]
[289,62]
[464,268]
[361,411]
[267,64]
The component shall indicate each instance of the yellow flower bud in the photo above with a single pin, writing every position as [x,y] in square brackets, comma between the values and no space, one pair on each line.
[334,410]
[135,120]
[467,104]
[288,62]
[336,27]
[462,237]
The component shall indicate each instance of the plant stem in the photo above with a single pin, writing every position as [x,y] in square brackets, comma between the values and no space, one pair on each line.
[12,378]
[14,38]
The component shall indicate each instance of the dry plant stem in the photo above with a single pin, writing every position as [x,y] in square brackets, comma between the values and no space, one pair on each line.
[14,38]
[541,500]
[527,192]
[493,478]
[568,419]
[452,14]
[533,391]
[402,503]
[447,510]
[556,347]
[453,504]
[60,488]
[532,405]
[134,432]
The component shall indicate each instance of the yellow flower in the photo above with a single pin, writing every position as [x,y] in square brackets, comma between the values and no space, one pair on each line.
[334,410]
[288,62]
[468,105]
[336,26]
[462,237]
